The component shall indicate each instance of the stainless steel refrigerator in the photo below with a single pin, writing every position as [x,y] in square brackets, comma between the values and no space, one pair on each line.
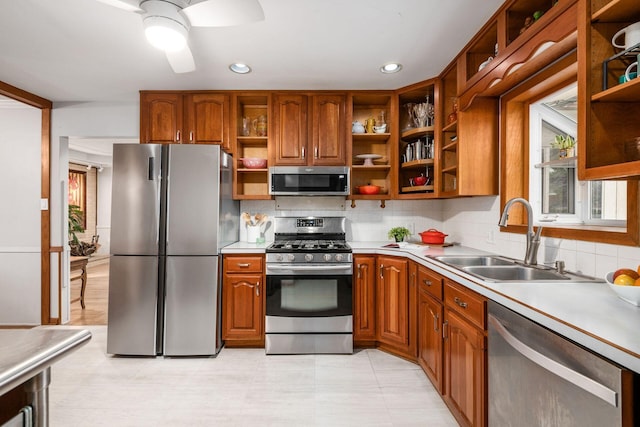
[172,211]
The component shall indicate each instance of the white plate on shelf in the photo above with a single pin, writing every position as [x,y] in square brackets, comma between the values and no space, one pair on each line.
[369,158]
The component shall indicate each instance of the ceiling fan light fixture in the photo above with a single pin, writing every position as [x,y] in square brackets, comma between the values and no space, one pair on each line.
[390,68]
[240,68]
[164,27]
[165,34]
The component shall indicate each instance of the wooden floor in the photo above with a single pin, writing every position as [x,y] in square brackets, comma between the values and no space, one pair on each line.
[96,295]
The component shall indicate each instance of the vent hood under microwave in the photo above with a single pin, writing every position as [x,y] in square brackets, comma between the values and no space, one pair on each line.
[309,181]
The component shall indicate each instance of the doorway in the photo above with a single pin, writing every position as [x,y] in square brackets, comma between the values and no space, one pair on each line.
[89,187]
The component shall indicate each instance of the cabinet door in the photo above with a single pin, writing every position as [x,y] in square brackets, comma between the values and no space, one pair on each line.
[393,301]
[465,370]
[328,130]
[290,122]
[242,308]
[430,315]
[207,119]
[160,117]
[364,315]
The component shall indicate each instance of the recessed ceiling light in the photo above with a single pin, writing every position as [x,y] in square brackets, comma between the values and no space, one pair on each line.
[240,68]
[392,67]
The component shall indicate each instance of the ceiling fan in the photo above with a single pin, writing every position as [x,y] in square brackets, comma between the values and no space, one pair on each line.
[167,22]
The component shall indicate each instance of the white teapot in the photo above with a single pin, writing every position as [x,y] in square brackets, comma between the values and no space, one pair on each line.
[357,127]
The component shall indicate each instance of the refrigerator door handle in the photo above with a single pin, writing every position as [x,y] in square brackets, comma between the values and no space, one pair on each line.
[151,169]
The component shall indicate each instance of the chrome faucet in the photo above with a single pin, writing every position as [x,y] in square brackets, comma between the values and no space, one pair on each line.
[533,239]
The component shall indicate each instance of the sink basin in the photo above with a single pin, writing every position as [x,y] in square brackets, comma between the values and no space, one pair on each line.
[474,260]
[515,273]
[495,268]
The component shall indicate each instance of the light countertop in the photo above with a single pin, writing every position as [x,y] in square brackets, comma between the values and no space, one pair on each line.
[590,314]
[26,352]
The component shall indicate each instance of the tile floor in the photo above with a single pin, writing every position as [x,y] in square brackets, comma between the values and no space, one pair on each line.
[241,387]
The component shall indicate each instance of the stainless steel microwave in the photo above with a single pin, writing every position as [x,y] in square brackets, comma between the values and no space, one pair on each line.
[309,181]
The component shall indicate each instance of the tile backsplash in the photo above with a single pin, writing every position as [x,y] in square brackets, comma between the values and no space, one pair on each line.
[471,222]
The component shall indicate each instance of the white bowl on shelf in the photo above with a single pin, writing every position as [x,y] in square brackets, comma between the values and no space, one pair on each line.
[630,294]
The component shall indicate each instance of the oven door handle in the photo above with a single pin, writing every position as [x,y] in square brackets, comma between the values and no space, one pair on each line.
[576,378]
[303,267]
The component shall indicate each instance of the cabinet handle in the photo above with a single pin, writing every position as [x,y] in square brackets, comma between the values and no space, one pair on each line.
[191,136]
[435,322]
[178,136]
[358,270]
[315,152]
[303,152]
[258,288]
[444,329]
[427,282]
[244,265]
[460,302]
[382,271]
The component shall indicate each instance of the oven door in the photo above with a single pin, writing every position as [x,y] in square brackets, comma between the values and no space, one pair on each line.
[308,298]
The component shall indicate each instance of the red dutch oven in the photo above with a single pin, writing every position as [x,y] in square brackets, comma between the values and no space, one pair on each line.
[433,236]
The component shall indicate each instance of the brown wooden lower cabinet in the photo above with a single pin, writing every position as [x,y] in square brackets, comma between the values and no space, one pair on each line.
[243,301]
[396,309]
[465,355]
[430,318]
[364,300]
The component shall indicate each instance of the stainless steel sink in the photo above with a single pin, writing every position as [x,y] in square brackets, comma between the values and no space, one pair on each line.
[474,260]
[494,268]
[515,273]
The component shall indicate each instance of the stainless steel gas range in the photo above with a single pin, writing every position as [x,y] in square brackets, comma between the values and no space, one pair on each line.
[309,287]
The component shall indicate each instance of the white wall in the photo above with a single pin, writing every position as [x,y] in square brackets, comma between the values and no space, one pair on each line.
[20,140]
[79,119]
[367,221]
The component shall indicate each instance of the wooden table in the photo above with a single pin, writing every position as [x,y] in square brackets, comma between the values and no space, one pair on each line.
[79,263]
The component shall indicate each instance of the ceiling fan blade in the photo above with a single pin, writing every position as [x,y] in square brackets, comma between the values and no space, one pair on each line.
[128,5]
[181,61]
[223,13]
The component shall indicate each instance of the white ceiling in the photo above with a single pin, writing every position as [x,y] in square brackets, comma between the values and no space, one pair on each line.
[84,50]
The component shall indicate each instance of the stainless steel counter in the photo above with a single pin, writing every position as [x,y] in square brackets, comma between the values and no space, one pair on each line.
[26,358]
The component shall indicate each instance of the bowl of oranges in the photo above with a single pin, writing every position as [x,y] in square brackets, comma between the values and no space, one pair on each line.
[625,282]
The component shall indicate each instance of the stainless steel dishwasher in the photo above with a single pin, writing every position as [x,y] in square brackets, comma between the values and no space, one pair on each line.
[538,378]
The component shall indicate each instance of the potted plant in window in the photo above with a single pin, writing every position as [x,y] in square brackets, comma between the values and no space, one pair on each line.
[399,233]
[566,145]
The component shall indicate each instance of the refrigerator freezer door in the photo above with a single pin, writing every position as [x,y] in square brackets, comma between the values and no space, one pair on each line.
[135,205]
[192,306]
[133,302]
[193,199]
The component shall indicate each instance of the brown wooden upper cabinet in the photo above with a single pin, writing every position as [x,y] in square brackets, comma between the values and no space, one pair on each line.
[309,129]
[184,118]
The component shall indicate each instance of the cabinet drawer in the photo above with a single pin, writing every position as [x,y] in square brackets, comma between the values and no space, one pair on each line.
[469,304]
[430,282]
[243,264]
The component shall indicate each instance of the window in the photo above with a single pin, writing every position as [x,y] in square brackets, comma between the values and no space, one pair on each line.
[555,191]
[604,220]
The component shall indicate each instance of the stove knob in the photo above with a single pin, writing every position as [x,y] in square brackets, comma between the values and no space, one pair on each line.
[327,257]
[308,257]
[338,257]
[291,257]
